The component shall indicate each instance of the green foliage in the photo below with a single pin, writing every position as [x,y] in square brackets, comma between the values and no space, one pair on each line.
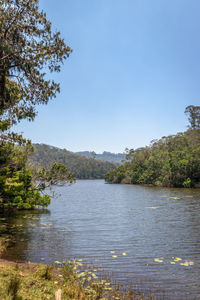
[81,167]
[172,161]
[47,273]
[28,48]
[13,288]
[187,183]
[57,174]
[17,189]
[193,113]
[37,281]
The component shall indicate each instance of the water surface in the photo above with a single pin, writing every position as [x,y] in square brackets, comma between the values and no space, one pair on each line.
[90,219]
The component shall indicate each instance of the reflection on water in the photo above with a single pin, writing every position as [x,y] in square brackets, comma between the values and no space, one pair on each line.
[146,236]
[18,230]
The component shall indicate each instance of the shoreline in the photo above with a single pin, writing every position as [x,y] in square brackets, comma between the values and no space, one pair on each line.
[29,280]
[196,186]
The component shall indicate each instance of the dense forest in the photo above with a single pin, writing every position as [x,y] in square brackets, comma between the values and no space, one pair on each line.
[117,158]
[172,161]
[80,166]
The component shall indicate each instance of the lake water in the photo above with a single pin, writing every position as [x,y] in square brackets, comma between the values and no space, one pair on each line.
[89,219]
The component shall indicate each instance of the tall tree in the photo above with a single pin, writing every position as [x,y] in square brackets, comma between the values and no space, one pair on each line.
[28,50]
[193,113]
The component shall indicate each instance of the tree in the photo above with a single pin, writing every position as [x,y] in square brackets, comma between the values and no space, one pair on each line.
[28,49]
[193,113]
[172,161]
[21,187]
[129,153]
[93,154]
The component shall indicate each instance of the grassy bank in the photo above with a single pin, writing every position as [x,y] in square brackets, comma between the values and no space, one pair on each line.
[68,281]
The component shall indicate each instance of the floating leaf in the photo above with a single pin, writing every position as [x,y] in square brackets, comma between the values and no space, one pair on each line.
[184,264]
[124,253]
[114,256]
[187,263]
[158,260]
[177,259]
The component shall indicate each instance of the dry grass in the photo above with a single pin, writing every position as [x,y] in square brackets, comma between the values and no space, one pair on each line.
[41,282]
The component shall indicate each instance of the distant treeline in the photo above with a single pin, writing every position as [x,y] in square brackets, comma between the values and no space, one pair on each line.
[105,156]
[172,161]
[80,166]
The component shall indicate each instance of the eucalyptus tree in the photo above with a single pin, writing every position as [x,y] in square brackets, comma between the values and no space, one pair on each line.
[193,113]
[29,52]
[28,49]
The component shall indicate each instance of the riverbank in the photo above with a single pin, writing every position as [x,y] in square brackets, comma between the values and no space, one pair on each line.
[171,161]
[67,281]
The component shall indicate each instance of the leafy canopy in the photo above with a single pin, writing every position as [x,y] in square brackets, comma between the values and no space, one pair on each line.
[21,187]
[28,50]
[193,113]
[172,161]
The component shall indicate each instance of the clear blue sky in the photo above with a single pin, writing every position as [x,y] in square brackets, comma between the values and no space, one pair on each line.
[135,66]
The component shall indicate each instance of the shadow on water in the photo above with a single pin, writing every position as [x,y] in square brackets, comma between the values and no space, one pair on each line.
[17,230]
[34,236]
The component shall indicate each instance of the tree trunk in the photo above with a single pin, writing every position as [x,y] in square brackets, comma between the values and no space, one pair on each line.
[2,89]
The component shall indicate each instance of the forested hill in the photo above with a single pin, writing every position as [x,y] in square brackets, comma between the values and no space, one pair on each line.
[173,161]
[79,166]
[105,156]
